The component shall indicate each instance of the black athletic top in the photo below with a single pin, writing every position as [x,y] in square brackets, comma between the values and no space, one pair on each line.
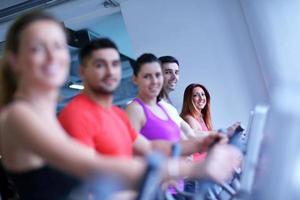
[7,189]
[45,183]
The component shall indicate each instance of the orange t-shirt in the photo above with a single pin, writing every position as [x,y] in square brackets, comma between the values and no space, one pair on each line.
[108,131]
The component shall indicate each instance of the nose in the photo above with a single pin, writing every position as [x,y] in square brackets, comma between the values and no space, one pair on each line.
[202,97]
[173,76]
[199,97]
[50,54]
[154,80]
[109,70]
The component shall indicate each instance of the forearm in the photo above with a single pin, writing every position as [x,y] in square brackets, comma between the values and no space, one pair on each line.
[80,161]
[190,146]
[162,146]
[130,171]
[179,168]
[199,133]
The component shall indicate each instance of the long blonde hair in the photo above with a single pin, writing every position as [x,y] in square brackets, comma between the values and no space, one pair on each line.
[8,78]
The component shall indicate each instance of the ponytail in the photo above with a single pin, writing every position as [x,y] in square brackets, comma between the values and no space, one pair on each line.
[8,82]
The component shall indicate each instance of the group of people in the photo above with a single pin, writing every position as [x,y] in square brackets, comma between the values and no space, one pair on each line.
[46,156]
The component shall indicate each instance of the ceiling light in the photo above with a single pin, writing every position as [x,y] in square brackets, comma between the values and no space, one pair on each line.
[76,86]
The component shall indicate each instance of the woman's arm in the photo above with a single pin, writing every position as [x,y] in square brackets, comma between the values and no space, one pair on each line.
[136,116]
[48,140]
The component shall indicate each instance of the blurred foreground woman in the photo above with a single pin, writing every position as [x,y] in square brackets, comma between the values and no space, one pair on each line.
[34,67]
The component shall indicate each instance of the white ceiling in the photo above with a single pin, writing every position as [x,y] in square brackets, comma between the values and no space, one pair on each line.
[76,14]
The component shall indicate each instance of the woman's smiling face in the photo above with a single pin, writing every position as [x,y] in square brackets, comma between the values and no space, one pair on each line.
[199,98]
[43,56]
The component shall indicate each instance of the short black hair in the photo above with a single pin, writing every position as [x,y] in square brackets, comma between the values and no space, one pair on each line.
[168,59]
[102,43]
[144,58]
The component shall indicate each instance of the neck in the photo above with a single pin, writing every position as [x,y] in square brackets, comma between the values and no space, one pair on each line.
[166,96]
[167,91]
[44,100]
[148,101]
[105,100]
[199,114]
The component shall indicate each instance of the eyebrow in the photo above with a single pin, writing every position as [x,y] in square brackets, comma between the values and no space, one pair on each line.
[198,93]
[167,70]
[103,60]
[171,70]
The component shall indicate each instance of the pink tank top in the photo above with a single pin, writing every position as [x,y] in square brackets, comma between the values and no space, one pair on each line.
[200,156]
[202,125]
[156,128]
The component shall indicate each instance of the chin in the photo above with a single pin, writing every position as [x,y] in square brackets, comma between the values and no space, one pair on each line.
[111,89]
[152,95]
[200,107]
[52,84]
[108,91]
[58,83]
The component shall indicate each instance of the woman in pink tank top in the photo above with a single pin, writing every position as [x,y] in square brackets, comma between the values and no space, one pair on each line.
[196,107]
[147,116]
[196,110]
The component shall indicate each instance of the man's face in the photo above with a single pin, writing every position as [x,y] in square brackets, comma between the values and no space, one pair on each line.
[101,72]
[171,76]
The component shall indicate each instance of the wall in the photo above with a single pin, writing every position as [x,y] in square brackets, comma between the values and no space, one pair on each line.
[275,28]
[212,42]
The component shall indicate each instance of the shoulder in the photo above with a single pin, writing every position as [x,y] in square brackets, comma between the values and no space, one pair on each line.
[135,112]
[77,104]
[17,110]
[168,106]
[119,111]
[18,115]
[188,118]
[164,103]
[134,107]
[194,124]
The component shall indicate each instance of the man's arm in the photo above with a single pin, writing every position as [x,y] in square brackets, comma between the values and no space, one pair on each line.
[186,129]
[189,133]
